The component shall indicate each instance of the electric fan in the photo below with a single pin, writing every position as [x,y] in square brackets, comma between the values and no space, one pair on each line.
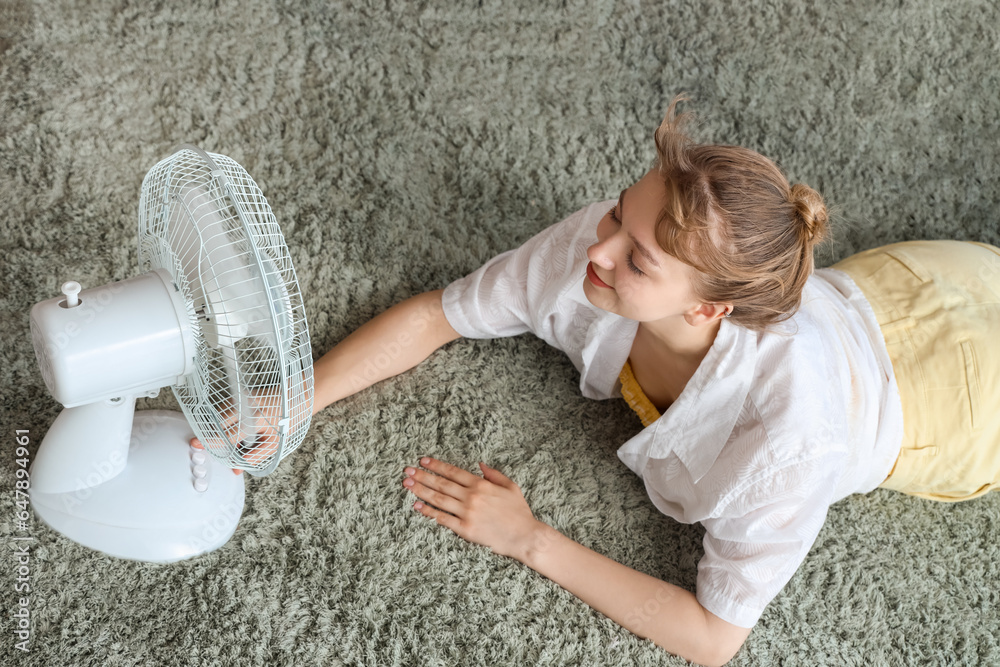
[216,314]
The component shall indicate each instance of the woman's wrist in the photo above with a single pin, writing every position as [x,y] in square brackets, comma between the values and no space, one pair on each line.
[535,543]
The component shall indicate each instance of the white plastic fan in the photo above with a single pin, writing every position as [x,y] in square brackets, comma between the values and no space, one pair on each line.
[217,315]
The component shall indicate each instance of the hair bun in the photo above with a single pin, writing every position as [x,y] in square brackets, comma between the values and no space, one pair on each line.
[811,211]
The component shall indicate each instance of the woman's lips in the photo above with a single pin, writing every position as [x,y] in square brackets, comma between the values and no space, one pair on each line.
[593,276]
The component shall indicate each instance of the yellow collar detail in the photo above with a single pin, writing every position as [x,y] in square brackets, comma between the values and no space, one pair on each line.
[635,397]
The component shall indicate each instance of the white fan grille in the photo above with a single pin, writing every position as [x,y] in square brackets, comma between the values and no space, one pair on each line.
[249,397]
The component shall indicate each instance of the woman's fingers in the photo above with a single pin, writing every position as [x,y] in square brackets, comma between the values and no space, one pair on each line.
[447,470]
[436,498]
[495,476]
[234,434]
[444,519]
[437,482]
[443,485]
[256,449]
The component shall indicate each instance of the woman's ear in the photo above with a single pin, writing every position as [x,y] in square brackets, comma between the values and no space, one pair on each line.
[706,313]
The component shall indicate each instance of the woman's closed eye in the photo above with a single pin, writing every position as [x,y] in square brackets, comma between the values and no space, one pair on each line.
[631,265]
[614,214]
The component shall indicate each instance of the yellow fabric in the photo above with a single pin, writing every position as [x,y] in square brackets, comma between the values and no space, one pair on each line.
[635,397]
[938,306]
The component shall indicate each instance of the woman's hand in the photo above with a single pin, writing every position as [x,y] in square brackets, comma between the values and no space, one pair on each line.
[488,510]
[260,438]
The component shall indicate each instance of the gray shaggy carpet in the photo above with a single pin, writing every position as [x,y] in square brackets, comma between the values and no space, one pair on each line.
[401,145]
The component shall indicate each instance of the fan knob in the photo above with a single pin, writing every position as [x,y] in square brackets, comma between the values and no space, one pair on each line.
[72,289]
[200,484]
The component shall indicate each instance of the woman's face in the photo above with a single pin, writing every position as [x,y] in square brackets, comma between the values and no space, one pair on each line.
[629,274]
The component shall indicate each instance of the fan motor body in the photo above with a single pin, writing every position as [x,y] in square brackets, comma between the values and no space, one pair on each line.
[122,338]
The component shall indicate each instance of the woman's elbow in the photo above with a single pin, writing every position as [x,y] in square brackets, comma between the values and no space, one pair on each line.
[719,655]
[722,642]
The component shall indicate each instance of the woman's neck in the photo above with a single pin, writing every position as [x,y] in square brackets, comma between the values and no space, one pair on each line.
[677,339]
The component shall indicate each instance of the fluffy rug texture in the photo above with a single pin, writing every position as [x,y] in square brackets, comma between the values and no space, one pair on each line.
[401,145]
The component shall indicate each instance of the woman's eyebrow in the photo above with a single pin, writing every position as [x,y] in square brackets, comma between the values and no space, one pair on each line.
[638,246]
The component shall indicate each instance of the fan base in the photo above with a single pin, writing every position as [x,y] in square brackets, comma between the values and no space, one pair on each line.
[151,511]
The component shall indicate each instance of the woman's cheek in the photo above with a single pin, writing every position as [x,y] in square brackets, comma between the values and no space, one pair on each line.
[624,286]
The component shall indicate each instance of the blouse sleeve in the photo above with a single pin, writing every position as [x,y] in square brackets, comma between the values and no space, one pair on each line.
[491,302]
[513,292]
[762,537]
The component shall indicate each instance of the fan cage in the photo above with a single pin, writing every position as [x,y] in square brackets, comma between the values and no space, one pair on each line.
[249,396]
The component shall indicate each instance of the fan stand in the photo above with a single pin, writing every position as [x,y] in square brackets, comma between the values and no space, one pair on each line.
[167,502]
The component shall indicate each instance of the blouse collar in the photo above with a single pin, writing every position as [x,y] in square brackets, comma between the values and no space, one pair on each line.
[698,424]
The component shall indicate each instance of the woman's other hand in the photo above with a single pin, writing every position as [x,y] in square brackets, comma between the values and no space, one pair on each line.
[488,510]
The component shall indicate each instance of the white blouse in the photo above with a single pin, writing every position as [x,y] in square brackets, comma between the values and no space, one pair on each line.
[770,431]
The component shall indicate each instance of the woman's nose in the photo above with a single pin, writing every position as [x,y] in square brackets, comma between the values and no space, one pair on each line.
[598,254]
[602,252]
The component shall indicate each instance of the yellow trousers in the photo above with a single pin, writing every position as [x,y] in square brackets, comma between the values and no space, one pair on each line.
[938,305]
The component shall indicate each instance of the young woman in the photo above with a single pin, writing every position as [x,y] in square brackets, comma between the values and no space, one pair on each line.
[768,390]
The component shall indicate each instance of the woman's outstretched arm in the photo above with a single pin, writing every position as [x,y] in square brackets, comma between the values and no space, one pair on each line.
[491,511]
[390,343]
[670,616]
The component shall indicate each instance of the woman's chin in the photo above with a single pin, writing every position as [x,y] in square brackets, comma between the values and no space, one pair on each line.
[597,296]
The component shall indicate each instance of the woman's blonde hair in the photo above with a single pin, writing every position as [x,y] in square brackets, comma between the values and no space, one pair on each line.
[732,215]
